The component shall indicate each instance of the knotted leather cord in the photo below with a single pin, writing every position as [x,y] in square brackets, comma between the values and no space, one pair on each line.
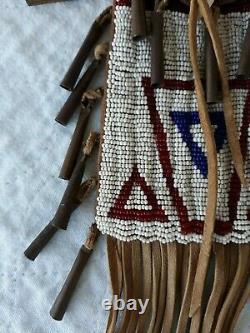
[232,136]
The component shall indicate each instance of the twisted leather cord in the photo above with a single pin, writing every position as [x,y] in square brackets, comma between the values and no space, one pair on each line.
[232,135]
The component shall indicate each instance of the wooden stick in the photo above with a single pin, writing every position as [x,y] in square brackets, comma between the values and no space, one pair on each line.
[62,301]
[96,30]
[41,2]
[75,97]
[68,204]
[49,231]
[74,148]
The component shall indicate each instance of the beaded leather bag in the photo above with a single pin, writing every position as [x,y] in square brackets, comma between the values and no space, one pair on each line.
[173,193]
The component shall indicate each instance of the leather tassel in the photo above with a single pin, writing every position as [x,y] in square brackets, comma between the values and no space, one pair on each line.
[95,32]
[68,204]
[244,65]
[75,97]
[73,151]
[139,28]
[213,93]
[157,47]
[62,301]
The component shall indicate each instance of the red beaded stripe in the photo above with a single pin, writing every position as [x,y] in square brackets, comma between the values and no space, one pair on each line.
[126,3]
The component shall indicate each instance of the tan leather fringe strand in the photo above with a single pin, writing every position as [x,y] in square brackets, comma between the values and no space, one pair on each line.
[162,289]
[184,269]
[230,268]
[115,277]
[242,270]
[126,248]
[156,273]
[144,320]
[244,298]
[212,165]
[186,300]
[171,287]
[218,288]
[238,292]
[137,282]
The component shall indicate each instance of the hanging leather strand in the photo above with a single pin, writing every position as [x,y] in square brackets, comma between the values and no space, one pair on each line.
[212,165]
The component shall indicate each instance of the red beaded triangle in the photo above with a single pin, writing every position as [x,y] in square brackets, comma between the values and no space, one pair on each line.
[119,210]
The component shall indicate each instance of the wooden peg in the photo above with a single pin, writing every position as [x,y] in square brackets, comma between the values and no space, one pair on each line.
[96,30]
[41,2]
[62,301]
[75,97]
[73,151]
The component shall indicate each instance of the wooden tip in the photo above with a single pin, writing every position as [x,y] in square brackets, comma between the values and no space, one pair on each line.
[96,30]
[41,2]
[64,297]
[40,242]
[75,145]
[74,99]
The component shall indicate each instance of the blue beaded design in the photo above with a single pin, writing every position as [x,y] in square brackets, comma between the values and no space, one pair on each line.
[184,121]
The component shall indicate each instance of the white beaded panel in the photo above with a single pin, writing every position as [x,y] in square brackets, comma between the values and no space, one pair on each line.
[129,142]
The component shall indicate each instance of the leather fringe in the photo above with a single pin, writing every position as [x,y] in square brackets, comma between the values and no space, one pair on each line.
[165,274]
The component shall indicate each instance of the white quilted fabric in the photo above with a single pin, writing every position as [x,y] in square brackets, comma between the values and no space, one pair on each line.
[36,46]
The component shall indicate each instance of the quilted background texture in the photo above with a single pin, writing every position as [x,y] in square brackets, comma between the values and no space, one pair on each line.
[36,46]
